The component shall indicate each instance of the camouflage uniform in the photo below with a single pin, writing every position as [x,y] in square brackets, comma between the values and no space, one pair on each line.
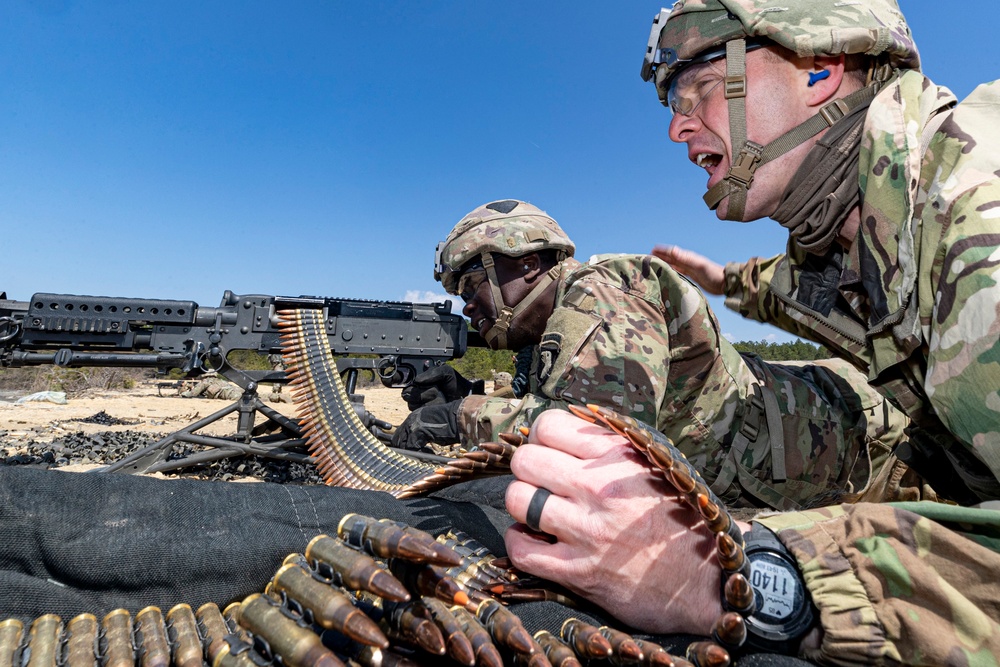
[916,305]
[900,583]
[628,332]
[215,388]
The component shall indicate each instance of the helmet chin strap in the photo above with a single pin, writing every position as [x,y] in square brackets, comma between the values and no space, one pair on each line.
[753,155]
[498,332]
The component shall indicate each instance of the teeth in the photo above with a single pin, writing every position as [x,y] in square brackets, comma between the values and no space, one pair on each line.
[702,159]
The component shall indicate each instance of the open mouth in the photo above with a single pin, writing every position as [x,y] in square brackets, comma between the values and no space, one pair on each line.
[708,161]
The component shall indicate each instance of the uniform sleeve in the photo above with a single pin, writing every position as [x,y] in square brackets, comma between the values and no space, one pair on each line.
[484,418]
[904,583]
[747,289]
[746,284]
[607,342]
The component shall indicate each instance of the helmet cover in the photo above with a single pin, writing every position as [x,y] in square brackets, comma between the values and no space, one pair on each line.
[507,227]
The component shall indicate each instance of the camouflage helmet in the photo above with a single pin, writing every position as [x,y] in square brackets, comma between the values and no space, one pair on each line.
[692,28]
[507,227]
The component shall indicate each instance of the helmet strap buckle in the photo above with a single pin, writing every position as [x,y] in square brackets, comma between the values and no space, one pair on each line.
[498,332]
[742,171]
[503,320]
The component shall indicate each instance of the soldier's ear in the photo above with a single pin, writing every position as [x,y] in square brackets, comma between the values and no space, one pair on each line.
[822,81]
[531,266]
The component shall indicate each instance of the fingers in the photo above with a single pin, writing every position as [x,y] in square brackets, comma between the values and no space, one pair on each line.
[564,450]
[434,375]
[570,476]
[401,436]
[567,433]
[417,396]
[709,275]
[530,550]
[559,516]
[525,546]
[541,466]
[679,259]
[619,481]
[664,252]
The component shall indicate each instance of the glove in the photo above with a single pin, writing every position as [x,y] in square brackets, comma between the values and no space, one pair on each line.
[431,423]
[441,384]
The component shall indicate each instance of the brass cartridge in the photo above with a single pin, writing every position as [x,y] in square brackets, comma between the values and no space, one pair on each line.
[11,632]
[43,641]
[151,635]
[81,641]
[298,646]
[117,643]
[182,631]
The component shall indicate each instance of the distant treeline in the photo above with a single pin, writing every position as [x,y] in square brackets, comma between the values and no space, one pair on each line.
[795,351]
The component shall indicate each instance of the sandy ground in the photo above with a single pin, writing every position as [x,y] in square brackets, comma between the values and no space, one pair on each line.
[154,413]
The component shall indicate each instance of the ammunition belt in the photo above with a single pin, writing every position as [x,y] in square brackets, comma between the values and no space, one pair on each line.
[346,453]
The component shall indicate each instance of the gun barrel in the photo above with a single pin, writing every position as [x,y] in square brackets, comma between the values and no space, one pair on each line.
[70,359]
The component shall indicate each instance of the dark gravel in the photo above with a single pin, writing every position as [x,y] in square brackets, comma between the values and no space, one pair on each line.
[109,446]
[102,418]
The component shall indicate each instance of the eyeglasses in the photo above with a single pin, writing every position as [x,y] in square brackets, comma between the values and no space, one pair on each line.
[674,77]
[692,87]
[469,282]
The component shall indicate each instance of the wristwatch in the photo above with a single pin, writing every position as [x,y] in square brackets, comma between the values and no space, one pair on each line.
[783,612]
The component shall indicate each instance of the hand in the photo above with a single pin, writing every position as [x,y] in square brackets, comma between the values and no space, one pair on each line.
[441,384]
[431,423]
[707,274]
[623,540]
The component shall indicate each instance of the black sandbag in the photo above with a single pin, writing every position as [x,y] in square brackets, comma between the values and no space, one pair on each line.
[91,542]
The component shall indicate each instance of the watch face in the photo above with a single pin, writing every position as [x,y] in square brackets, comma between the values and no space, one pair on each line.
[779,593]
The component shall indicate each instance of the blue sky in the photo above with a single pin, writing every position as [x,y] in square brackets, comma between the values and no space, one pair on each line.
[179,149]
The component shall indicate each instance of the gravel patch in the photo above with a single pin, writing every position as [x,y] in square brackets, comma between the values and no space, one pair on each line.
[106,447]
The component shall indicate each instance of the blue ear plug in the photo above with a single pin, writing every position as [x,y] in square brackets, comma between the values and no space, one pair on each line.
[818,76]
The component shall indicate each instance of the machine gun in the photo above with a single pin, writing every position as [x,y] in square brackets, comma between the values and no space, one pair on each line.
[398,341]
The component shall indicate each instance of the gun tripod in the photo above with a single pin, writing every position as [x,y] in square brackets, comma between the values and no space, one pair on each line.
[276,438]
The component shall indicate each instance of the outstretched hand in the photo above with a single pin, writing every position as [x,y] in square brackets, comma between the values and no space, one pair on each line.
[623,540]
[709,275]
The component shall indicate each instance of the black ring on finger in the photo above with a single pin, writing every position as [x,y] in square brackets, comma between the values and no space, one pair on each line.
[534,515]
